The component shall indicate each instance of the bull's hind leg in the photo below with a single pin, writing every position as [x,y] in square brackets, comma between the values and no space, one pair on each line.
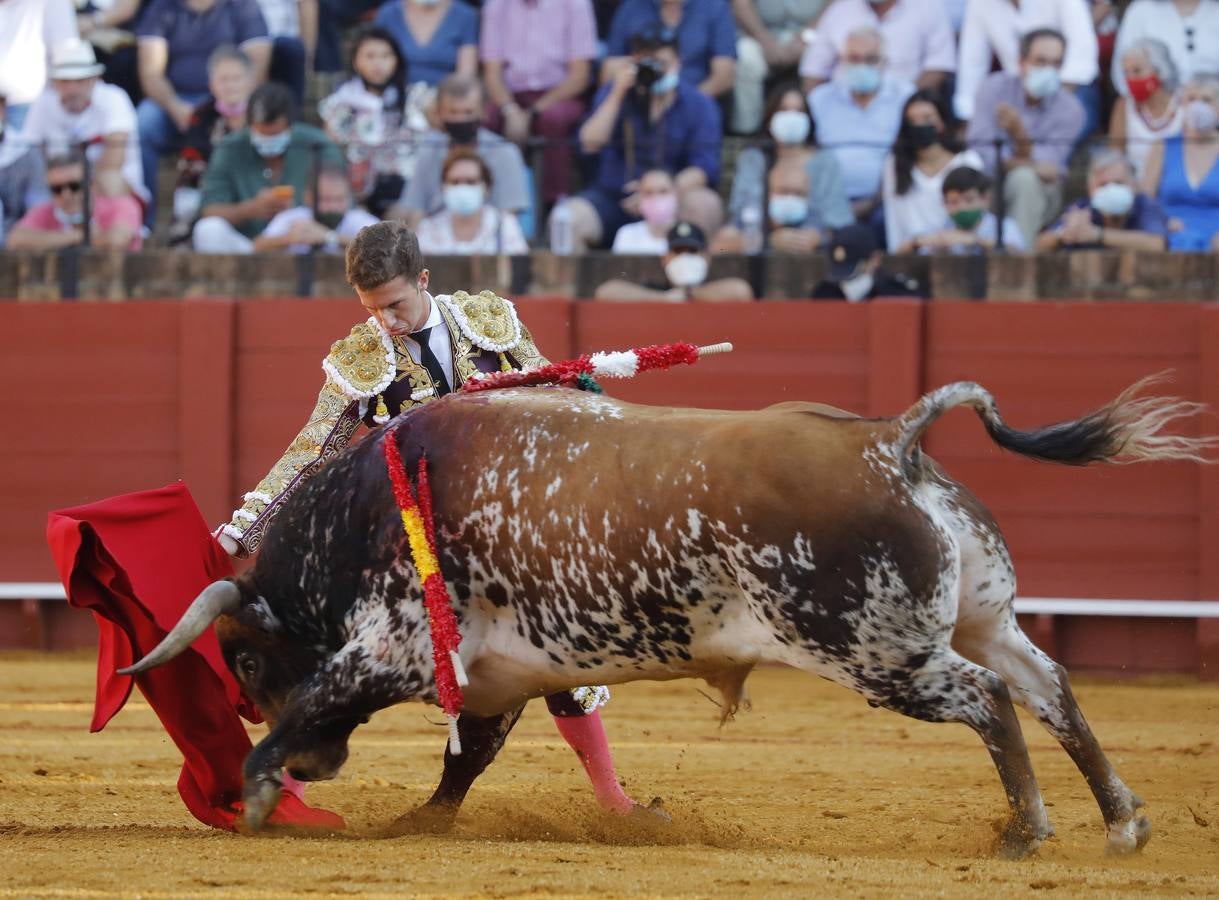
[1040,685]
[950,688]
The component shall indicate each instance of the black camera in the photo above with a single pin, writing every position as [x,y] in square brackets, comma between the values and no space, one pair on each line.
[649,71]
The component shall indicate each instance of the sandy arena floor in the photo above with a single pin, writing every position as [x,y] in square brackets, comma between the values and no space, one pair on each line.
[811,792]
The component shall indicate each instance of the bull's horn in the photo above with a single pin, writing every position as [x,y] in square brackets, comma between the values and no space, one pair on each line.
[218,598]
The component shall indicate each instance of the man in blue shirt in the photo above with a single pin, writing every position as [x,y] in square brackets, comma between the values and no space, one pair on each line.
[176,37]
[1114,214]
[706,39]
[858,115]
[646,118]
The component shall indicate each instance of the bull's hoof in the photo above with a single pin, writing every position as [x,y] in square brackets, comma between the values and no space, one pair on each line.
[1019,840]
[652,813]
[427,819]
[260,797]
[1128,837]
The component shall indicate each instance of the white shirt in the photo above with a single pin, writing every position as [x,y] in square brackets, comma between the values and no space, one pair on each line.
[636,239]
[283,17]
[353,220]
[28,31]
[438,342]
[109,112]
[1140,136]
[1161,20]
[918,38]
[921,209]
[994,28]
[499,233]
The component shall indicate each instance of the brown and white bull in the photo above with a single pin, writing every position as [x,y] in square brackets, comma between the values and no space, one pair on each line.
[586,540]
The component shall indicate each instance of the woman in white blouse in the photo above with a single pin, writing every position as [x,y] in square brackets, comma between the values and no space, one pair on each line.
[914,171]
[1151,109]
[469,225]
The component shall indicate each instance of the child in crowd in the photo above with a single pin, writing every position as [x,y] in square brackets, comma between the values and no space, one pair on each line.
[970,226]
[378,117]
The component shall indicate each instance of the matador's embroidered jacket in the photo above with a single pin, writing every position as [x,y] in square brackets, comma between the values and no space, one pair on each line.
[370,376]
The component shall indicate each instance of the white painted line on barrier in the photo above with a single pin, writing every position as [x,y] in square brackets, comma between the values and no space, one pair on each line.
[1048,606]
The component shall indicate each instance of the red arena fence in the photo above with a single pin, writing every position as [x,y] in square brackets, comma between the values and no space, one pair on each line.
[110,398]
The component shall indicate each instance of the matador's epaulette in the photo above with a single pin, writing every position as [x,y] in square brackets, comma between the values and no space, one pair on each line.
[487,320]
[361,364]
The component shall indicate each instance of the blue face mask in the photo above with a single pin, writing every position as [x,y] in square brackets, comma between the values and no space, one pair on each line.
[270,146]
[862,78]
[463,199]
[666,82]
[787,209]
[1041,81]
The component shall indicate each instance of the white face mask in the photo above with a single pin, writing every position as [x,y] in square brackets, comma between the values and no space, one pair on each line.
[687,270]
[787,210]
[463,199]
[68,219]
[1113,199]
[1200,116]
[857,287]
[1041,81]
[790,126]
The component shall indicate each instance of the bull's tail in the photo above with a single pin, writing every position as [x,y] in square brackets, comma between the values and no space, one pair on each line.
[1127,429]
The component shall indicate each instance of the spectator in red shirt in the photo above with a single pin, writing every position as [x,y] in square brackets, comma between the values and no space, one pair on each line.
[60,221]
[537,62]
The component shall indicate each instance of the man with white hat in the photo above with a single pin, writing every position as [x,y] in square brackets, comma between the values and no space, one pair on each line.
[78,108]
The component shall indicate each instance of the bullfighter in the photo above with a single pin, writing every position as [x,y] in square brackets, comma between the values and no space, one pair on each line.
[414,348]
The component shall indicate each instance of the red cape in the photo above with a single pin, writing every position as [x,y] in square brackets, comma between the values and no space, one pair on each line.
[136,562]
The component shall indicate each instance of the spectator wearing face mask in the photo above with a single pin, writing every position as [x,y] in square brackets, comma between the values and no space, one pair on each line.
[925,152]
[329,230]
[1114,214]
[855,270]
[823,205]
[1188,28]
[704,36]
[1037,122]
[919,45]
[1183,171]
[258,172]
[968,226]
[230,78]
[685,266]
[469,225]
[658,206]
[858,115]
[646,118]
[59,222]
[379,118]
[992,30]
[1151,109]
[460,108]
[22,174]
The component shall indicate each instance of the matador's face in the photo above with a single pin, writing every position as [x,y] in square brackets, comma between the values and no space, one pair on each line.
[399,305]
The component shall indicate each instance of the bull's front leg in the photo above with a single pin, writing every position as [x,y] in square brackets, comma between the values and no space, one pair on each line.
[481,740]
[309,738]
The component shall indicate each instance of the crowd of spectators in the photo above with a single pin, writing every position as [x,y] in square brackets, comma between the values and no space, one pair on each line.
[734,126]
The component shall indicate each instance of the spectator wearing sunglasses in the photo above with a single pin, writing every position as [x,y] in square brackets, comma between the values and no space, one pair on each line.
[60,221]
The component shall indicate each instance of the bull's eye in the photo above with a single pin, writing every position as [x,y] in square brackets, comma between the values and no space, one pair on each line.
[247,666]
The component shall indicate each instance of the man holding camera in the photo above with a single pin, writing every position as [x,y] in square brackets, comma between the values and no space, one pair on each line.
[646,118]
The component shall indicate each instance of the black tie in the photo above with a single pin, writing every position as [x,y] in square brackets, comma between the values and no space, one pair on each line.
[429,361]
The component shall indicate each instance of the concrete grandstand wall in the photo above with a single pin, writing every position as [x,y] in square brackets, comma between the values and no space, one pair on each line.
[109,398]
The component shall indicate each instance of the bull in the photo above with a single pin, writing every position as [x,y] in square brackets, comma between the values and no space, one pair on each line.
[587,540]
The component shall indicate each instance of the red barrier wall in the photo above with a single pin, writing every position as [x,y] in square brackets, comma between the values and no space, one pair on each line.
[113,398]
